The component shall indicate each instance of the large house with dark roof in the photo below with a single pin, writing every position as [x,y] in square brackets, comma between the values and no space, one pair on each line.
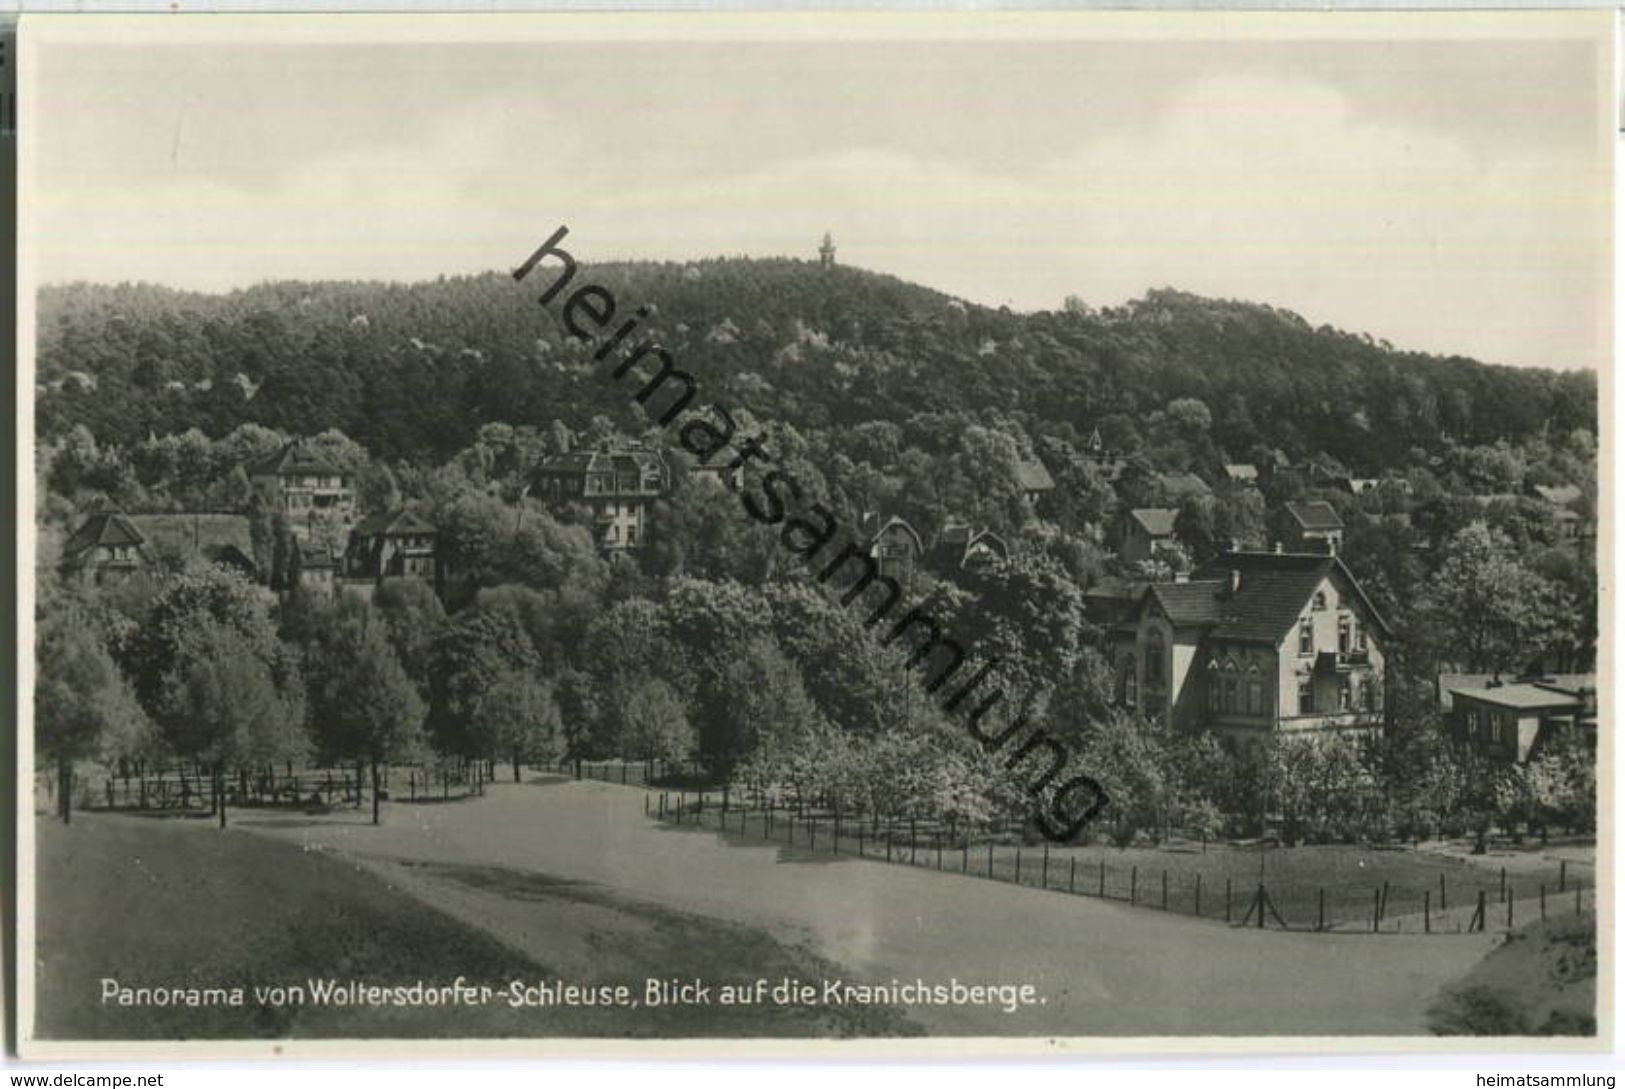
[105,548]
[111,545]
[393,545]
[305,485]
[619,485]
[1253,643]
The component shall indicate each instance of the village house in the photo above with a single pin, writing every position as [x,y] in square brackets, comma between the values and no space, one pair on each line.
[1254,643]
[110,546]
[1313,527]
[1241,474]
[318,568]
[1034,479]
[961,546]
[393,545]
[226,539]
[1514,721]
[617,484]
[106,548]
[895,546]
[305,485]
[1142,530]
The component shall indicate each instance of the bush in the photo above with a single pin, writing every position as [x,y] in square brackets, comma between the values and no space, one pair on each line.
[1475,1010]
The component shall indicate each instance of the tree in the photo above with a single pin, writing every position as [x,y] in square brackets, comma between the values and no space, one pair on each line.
[650,721]
[516,716]
[369,707]
[1487,610]
[225,710]
[83,706]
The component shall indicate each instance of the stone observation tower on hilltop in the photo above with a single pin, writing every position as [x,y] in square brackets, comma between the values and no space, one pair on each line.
[826,252]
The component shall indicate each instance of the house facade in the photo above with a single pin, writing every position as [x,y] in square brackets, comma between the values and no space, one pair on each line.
[618,485]
[1314,527]
[106,548]
[394,545]
[303,484]
[1252,644]
[895,546]
[1142,529]
[1514,721]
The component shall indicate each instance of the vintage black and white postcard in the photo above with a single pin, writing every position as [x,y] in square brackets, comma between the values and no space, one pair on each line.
[885,532]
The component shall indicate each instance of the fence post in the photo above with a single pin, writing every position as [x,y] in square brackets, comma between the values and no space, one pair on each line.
[1320,910]
[1103,879]
[1133,884]
[1198,894]
[1072,876]
[1164,890]
[1044,873]
[812,835]
[835,848]
[937,836]
[1510,898]
[1503,884]
[1427,913]
[1577,887]
[1478,916]
[1442,905]
[646,803]
[1227,899]
[1384,910]
[1376,910]
[1018,864]
[1543,903]
[964,855]
[911,839]
[623,773]
[888,840]
[860,839]
[1563,875]
[990,859]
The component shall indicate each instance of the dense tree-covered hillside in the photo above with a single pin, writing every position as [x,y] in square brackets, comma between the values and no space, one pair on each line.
[412,371]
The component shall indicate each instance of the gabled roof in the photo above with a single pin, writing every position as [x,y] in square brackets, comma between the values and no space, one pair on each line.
[1179,485]
[395,523]
[295,459]
[110,528]
[1273,589]
[1522,696]
[1032,475]
[1188,604]
[1315,515]
[1559,495]
[213,536]
[1154,521]
[871,525]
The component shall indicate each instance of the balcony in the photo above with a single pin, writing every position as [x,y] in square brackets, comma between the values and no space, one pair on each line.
[1342,661]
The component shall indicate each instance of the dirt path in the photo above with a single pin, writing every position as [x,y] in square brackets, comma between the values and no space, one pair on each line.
[1102,968]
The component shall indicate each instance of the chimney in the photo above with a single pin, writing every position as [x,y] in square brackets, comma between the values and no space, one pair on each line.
[1235,581]
[1277,548]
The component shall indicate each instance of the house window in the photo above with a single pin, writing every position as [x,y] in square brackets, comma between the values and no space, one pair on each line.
[1214,692]
[1345,634]
[1359,637]
[1306,637]
[1306,696]
[1345,694]
[1320,600]
[1495,729]
[1232,695]
[1131,683]
[1368,694]
[1255,692]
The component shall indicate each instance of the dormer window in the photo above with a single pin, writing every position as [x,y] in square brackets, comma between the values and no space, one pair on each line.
[1306,637]
[1320,600]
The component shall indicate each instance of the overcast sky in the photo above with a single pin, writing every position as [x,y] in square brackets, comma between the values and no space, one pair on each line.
[1449,195]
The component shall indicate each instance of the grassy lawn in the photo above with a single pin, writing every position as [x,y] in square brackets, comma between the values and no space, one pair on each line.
[177,903]
[1542,980]
[1350,877]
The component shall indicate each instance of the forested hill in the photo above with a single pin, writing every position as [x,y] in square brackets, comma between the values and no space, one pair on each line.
[412,371]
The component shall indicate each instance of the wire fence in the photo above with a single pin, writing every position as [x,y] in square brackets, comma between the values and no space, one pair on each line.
[187,788]
[1222,886]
